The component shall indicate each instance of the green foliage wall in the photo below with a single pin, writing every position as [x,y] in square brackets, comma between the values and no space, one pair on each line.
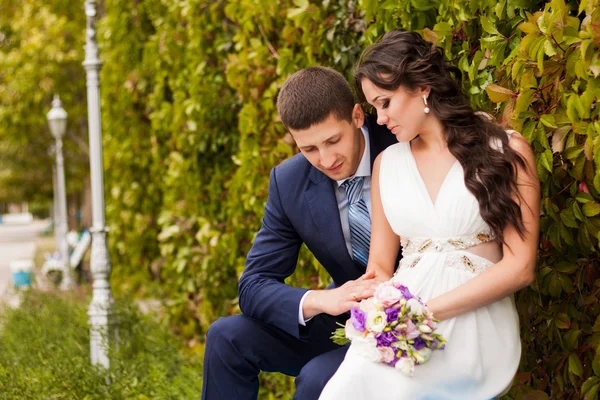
[40,55]
[191,133]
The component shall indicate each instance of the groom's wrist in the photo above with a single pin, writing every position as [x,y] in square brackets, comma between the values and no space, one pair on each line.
[312,304]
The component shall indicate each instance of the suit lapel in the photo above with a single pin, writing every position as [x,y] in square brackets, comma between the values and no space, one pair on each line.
[323,207]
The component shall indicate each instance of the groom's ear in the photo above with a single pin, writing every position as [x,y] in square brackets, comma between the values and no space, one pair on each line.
[358,116]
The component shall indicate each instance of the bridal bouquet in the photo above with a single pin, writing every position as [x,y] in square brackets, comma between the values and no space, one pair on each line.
[392,327]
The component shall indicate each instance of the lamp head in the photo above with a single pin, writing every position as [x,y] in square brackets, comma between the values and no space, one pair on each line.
[57,118]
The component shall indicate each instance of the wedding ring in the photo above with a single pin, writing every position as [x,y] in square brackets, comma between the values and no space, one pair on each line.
[354,296]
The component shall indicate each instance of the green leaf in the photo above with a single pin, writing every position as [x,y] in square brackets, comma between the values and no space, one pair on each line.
[597,182]
[568,219]
[548,120]
[498,94]
[549,49]
[591,209]
[571,338]
[589,384]
[596,327]
[592,394]
[572,152]
[535,395]
[489,26]
[583,197]
[566,267]
[577,211]
[575,366]
[562,321]
[582,6]
[547,160]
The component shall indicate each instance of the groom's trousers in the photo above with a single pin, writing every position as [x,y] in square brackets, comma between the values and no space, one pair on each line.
[239,347]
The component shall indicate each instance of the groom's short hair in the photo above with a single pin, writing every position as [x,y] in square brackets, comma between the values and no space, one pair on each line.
[310,95]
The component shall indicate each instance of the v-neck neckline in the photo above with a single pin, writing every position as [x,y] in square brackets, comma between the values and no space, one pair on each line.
[423,185]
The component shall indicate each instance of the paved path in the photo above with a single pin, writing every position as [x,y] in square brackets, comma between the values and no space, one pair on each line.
[16,242]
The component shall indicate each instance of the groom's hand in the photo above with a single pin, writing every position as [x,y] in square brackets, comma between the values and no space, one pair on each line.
[339,300]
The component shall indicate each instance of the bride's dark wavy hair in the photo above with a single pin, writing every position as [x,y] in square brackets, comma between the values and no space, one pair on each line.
[404,59]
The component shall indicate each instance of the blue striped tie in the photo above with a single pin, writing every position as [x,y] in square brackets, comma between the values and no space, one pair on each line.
[359,220]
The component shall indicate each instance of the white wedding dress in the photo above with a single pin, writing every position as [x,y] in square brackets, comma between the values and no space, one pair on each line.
[484,348]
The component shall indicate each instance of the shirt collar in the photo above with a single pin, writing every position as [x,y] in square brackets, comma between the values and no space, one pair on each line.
[364,168]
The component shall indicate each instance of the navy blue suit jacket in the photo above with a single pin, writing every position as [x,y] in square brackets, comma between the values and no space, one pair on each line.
[301,208]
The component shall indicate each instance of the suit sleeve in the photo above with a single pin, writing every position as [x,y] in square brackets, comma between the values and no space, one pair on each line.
[263,295]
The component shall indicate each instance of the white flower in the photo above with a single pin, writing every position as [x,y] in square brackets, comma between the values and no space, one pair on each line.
[387,294]
[406,366]
[425,328]
[367,347]
[422,355]
[376,321]
[387,354]
[367,305]
[351,332]
[415,306]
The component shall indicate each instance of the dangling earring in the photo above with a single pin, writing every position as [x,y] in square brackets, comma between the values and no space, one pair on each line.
[426,110]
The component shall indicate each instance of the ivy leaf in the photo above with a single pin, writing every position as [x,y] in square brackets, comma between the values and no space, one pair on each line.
[562,321]
[590,387]
[489,26]
[591,209]
[596,327]
[498,94]
[577,211]
[572,152]
[571,338]
[568,219]
[528,27]
[535,395]
[547,160]
[566,267]
[575,366]
[588,148]
[583,197]
[558,138]
[548,120]
[582,6]
[430,36]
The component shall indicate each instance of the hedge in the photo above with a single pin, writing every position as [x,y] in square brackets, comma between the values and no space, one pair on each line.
[191,132]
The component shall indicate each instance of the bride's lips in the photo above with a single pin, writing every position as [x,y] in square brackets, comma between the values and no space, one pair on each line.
[392,128]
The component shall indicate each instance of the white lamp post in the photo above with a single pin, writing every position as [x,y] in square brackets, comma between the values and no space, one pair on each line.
[100,312]
[57,121]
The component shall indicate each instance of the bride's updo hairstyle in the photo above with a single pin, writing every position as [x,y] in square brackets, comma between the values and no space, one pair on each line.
[404,59]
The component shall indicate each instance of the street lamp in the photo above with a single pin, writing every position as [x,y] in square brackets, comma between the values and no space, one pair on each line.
[100,311]
[57,121]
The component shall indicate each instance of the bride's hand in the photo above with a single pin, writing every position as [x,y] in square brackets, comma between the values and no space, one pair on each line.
[377,274]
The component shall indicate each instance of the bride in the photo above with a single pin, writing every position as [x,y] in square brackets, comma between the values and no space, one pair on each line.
[462,198]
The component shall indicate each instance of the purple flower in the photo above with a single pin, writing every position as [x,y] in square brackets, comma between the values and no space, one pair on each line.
[419,344]
[405,292]
[358,318]
[392,314]
[385,339]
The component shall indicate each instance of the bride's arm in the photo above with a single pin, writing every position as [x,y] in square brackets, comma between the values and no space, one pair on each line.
[385,244]
[517,267]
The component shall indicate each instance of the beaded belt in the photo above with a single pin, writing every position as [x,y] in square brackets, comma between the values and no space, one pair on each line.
[414,248]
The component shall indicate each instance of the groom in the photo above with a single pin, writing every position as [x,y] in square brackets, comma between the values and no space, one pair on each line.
[320,197]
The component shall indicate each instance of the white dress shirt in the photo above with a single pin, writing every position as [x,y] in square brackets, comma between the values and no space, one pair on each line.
[364,170]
